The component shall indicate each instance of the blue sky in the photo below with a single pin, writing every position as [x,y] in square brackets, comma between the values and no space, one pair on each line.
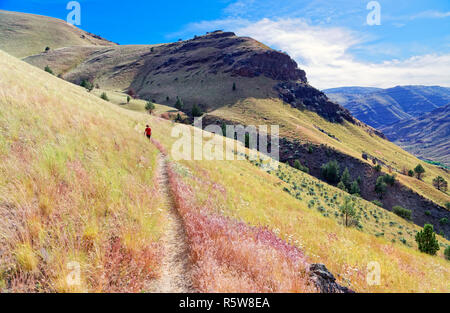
[329,39]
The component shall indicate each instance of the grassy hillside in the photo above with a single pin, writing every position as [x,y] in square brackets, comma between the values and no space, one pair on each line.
[76,185]
[243,192]
[348,138]
[22,35]
[77,179]
[199,71]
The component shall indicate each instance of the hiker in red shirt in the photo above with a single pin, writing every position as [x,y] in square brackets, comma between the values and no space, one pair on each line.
[148,132]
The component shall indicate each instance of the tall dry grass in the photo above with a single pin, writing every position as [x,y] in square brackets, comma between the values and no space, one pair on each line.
[76,190]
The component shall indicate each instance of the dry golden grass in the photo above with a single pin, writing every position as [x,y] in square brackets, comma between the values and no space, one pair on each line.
[76,185]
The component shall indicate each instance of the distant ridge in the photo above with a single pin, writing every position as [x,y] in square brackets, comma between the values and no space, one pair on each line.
[382,107]
[427,136]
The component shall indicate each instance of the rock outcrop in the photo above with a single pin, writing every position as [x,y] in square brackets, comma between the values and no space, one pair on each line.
[325,281]
[302,96]
[270,63]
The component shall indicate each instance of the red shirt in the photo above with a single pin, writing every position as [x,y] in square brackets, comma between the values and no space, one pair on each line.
[148,131]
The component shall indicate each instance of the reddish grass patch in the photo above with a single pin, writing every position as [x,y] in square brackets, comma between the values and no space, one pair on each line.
[231,256]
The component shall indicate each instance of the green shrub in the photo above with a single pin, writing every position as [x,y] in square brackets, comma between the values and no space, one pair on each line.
[447,205]
[300,167]
[378,203]
[330,171]
[402,212]
[427,213]
[150,106]
[104,96]
[447,253]
[49,70]
[443,221]
[87,84]
[377,168]
[389,179]
[310,149]
[411,173]
[426,240]
[128,99]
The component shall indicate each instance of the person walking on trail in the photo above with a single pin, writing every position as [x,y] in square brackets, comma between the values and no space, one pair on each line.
[148,132]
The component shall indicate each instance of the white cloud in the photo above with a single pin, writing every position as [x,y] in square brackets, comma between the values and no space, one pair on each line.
[325,54]
[430,14]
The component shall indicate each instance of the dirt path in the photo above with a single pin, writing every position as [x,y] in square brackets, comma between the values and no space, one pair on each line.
[175,275]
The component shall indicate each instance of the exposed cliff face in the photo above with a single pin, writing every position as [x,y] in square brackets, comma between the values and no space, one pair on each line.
[301,96]
[273,64]
[227,53]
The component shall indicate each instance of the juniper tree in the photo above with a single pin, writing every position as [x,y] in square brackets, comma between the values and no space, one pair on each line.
[196,111]
[426,239]
[330,171]
[150,106]
[354,188]
[350,217]
[345,178]
[179,104]
[440,183]
[419,170]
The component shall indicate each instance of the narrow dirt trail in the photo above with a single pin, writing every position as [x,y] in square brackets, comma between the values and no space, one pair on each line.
[176,267]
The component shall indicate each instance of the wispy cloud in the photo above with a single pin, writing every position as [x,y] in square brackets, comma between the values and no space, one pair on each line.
[325,53]
[430,14]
